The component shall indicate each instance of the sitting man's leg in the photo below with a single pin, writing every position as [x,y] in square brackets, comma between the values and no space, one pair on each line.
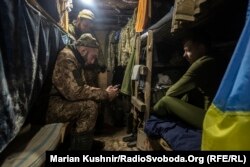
[82,113]
[173,106]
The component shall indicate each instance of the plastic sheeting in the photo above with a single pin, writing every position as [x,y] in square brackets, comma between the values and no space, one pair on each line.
[28,48]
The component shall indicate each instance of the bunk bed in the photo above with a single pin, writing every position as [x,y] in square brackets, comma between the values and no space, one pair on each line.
[163,28]
[158,32]
[161,31]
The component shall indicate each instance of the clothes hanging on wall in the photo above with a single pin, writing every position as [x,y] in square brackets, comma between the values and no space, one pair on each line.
[126,42]
[126,87]
[142,15]
[136,72]
[112,49]
[122,54]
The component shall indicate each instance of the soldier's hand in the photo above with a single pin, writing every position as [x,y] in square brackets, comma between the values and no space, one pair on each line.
[112,88]
[113,92]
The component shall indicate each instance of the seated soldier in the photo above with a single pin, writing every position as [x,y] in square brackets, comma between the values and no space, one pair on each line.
[202,77]
[72,99]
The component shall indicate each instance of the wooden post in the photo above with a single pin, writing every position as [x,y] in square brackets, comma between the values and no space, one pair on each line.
[147,93]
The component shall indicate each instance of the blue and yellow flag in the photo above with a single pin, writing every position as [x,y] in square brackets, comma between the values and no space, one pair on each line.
[227,122]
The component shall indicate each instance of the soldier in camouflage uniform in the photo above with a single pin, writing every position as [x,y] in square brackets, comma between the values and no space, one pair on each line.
[72,100]
[83,24]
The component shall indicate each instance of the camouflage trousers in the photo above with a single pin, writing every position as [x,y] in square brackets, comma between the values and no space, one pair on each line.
[82,114]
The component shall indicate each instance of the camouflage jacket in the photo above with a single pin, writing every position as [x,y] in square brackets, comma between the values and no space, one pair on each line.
[69,82]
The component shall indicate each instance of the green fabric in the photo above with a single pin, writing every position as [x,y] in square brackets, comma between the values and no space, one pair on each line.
[127,53]
[126,87]
[185,111]
[201,75]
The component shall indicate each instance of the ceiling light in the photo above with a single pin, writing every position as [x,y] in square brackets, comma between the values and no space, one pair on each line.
[88,2]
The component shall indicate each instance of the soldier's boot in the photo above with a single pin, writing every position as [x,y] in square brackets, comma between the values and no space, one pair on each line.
[85,141]
[81,141]
[129,138]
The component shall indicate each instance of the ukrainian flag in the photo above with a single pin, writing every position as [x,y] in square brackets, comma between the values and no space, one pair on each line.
[227,122]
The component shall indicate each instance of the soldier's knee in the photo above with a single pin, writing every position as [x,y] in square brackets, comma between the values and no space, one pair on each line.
[92,104]
[162,106]
[161,103]
[92,107]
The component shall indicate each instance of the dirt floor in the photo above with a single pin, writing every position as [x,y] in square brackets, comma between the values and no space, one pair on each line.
[112,137]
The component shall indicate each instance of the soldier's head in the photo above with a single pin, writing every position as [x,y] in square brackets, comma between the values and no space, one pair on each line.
[85,20]
[196,46]
[88,46]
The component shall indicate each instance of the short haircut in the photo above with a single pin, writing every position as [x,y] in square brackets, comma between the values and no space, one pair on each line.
[198,37]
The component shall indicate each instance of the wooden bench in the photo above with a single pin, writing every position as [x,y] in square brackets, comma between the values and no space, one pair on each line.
[31,144]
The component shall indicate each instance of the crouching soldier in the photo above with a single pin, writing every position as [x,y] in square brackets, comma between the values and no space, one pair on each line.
[71,99]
